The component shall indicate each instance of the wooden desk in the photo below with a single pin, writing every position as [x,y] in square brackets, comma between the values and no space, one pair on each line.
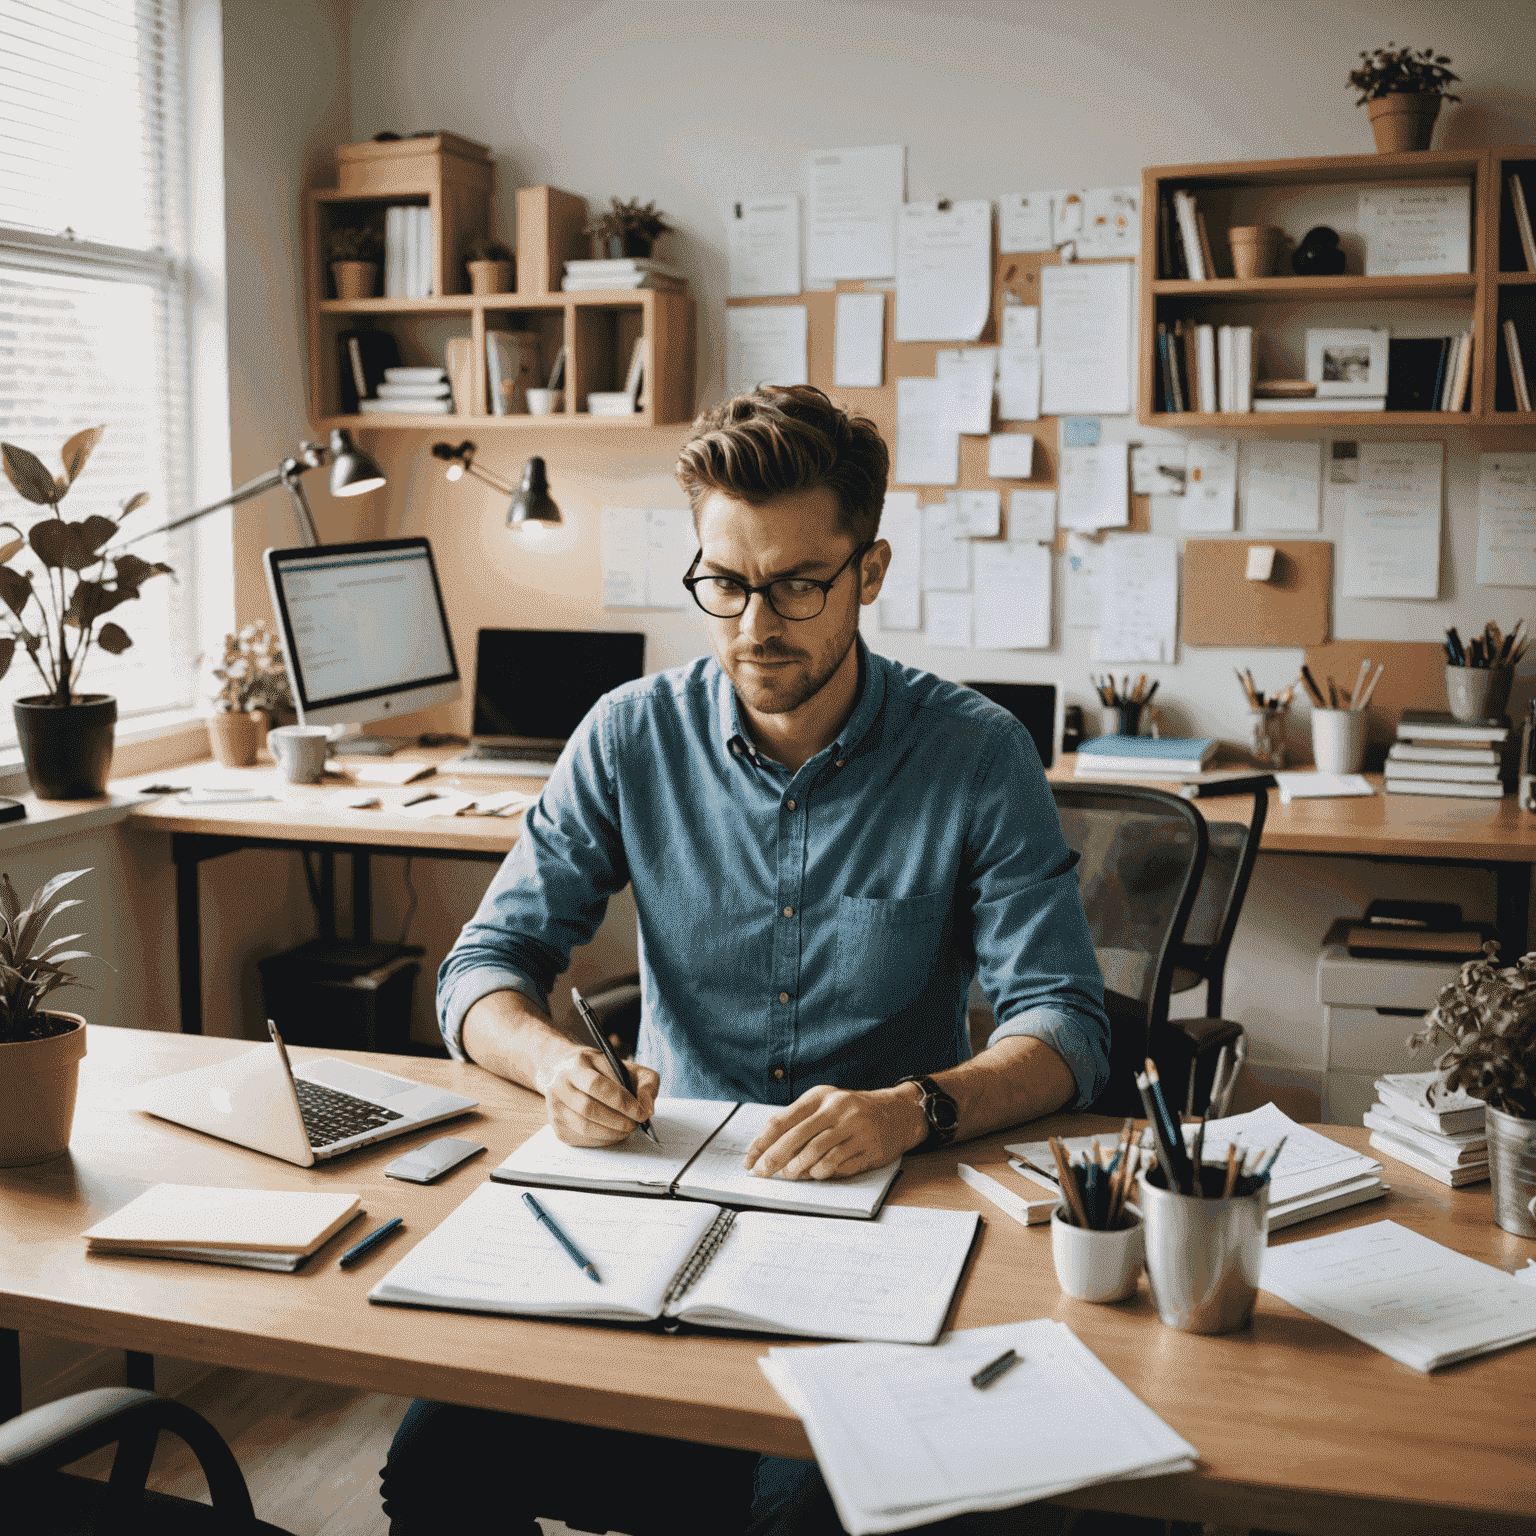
[1299,1428]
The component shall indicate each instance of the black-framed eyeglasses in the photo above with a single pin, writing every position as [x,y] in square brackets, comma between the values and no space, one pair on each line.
[791,597]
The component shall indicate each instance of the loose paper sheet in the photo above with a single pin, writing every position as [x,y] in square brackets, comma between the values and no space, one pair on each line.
[1416,231]
[1210,487]
[762,237]
[1018,384]
[901,595]
[1094,486]
[1082,583]
[1085,337]
[943,271]
[946,550]
[976,514]
[1392,522]
[1160,470]
[1021,325]
[1506,523]
[765,344]
[1281,485]
[949,620]
[1032,517]
[860,341]
[969,376]
[854,195]
[927,443]
[1140,598]
[1023,222]
[1012,596]
[1011,455]
[644,555]
[1111,222]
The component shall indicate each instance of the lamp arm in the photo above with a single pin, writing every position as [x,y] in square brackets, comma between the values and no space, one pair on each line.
[287,474]
[490,477]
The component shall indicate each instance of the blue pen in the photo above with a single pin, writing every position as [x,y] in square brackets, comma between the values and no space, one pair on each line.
[578,1258]
[361,1250]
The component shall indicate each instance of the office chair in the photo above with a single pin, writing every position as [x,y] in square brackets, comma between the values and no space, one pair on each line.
[35,1444]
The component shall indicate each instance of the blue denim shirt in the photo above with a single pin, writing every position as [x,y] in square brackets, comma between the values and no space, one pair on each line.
[821,926]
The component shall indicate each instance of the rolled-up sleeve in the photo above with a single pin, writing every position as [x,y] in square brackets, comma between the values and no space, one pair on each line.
[1035,958]
[551,892]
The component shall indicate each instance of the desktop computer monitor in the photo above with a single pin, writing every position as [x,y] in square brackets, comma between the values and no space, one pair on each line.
[1037,705]
[363,629]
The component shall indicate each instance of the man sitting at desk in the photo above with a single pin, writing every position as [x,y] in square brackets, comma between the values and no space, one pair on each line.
[824,848]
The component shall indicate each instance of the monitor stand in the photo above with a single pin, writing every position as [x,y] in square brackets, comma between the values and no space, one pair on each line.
[355,744]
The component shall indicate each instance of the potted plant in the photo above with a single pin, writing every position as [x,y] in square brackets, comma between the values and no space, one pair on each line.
[40,1048]
[1488,1018]
[1402,90]
[66,736]
[490,266]
[253,687]
[354,251]
[627,229]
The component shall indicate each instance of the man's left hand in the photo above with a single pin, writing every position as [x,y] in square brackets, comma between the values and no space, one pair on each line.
[834,1133]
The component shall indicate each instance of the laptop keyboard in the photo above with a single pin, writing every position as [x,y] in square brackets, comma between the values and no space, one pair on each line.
[482,751]
[331,1115]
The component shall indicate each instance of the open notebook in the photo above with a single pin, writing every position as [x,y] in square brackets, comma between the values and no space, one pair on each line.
[766,1271]
[702,1143]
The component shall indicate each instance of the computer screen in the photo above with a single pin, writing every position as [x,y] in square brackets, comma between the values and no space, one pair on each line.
[535,685]
[1037,705]
[363,628]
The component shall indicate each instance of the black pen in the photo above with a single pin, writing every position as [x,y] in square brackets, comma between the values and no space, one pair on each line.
[989,1373]
[578,1258]
[361,1250]
[600,1040]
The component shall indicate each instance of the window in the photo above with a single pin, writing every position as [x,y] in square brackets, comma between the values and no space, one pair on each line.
[93,304]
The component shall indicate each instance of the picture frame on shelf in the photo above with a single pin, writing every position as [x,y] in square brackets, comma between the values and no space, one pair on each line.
[1347,362]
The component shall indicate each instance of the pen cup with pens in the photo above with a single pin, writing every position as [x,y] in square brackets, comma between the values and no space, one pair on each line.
[1339,720]
[1478,672]
[1267,715]
[1126,709]
[1095,1233]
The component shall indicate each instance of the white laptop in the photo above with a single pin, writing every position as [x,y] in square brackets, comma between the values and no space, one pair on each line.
[305,1115]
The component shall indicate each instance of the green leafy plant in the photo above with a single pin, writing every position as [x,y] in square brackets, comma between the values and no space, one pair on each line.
[252,674]
[631,218]
[1394,71]
[355,242]
[484,248]
[77,589]
[29,967]
[1487,1018]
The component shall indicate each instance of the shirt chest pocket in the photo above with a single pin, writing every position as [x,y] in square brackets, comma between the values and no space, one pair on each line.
[886,950]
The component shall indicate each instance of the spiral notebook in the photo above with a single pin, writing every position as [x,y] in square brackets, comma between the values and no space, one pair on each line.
[890,1280]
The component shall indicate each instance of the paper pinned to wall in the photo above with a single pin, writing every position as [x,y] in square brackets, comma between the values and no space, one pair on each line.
[1140,599]
[1082,584]
[1012,609]
[644,555]
[1210,486]
[969,374]
[927,444]
[1023,222]
[946,550]
[1392,521]
[762,238]
[1159,470]
[860,341]
[976,514]
[1111,222]
[624,539]
[949,620]
[1281,482]
[1011,455]
[1506,520]
[1031,517]
[901,596]
[1018,384]
[1094,486]
[853,198]
[1021,325]
[1085,338]
[765,344]
[943,271]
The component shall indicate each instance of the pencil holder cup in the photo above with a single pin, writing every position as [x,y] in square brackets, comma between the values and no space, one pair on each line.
[1203,1257]
[1338,740]
[1477,693]
[1267,736]
[1254,248]
[1097,1266]
[1122,720]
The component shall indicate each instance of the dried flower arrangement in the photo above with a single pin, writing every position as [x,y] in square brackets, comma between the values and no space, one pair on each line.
[1394,71]
[252,674]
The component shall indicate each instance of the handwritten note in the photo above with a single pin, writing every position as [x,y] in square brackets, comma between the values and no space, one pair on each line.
[927,442]
[1085,336]
[854,195]
[765,344]
[943,271]
[763,242]
[1012,596]
[1140,599]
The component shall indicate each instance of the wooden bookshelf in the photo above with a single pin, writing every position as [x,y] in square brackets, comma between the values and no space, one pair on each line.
[1296,194]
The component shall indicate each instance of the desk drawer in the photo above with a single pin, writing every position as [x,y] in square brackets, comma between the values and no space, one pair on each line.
[1365,1040]
[1343,979]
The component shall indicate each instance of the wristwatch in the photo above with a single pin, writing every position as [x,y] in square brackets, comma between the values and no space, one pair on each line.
[939,1110]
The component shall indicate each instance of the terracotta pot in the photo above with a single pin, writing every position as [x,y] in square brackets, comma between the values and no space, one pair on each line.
[1254,248]
[235,737]
[68,751]
[490,276]
[38,1079]
[354,279]
[1403,121]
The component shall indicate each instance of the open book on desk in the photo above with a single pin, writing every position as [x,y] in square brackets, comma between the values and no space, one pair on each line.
[890,1280]
[701,1146]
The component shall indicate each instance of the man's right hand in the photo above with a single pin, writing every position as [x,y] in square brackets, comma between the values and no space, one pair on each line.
[586,1107]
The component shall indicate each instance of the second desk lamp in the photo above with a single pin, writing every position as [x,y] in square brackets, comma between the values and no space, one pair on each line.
[532,507]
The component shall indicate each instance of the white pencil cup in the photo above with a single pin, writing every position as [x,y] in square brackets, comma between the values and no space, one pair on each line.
[1097,1266]
[1338,740]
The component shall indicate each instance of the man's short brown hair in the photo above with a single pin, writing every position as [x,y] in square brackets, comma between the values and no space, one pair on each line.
[780,440]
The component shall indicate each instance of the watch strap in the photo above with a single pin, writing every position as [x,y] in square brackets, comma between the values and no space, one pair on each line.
[939,1110]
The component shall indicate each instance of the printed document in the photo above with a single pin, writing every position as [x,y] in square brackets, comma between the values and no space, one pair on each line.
[1392,522]
[854,197]
[975,514]
[1011,455]
[1082,582]
[859,359]
[1111,222]
[644,555]
[1085,338]
[1023,222]
[1281,485]
[1416,231]
[1021,325]
[946,550]
[927,444]
[1018,383]
[1141,599]
[762,237]
[1012,607]
[1094,486]
[1032,517]
[1159,470]
[943,271]
[765,344]
[901,594]
[1506,520]
[968,374]
[949,620]
[1210,486]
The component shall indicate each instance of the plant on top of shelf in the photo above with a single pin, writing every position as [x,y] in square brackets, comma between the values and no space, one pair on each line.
[1402,89]
[627,229]
[490,265]
[484,248]
[354,242]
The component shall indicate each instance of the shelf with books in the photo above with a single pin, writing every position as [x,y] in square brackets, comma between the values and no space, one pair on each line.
[1510,262]
[1440,285]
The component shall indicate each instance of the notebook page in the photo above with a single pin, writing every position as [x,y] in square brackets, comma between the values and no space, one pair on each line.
[274,1220]
[717,1174]
[1310,1162]
[493,1255]
[682,1126]
[891,1279]
[1404,1294]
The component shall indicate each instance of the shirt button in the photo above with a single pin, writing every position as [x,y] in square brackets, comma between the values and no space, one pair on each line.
[841,761]
[790,804]
[789,911]
[778,1074]
[783,997]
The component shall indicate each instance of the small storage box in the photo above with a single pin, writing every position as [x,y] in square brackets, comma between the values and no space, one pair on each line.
[341,995]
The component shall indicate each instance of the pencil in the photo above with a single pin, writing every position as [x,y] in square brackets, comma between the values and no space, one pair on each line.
[1231,1180]
[1370,687]
[1068,1181]
[1159,1140]
[1312,688]
[1176,1151]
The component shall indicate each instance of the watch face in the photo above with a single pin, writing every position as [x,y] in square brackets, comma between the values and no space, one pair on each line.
[942,1112]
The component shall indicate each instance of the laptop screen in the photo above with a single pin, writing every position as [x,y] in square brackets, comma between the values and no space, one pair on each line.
[1037,705]
[536,685]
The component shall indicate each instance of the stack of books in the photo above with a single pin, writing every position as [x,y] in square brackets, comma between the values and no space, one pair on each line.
[407,252]
[1446,1140]
[1144,757]
[1437,754]
[1204,367]
[622,272]
[411,392]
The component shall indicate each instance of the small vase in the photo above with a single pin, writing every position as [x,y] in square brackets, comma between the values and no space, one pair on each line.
[1254,248]
[68,751]
[617,247]
[1512,1170]
[235,737]
[354,279]
[490,276]
[1403,121]
[1267,742]
[38,1081]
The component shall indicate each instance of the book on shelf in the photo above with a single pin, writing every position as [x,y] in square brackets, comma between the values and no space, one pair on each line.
[1523,221]
[628,282]
[1416,372]
[1425,725]
[1450,788]
[363,358]
[1205,366]
[1243,368]
[1189,237]
[511,369]
[696,1262]
[1440,752]
[1461,385]
[1206,258]
[618,265]
[1465,1150]
[1327,405]
[697,1156]
[459,358]
[1452,1114]
[1150,756]
[407,252]
[1415,1157]
[1520,378]
[410,406]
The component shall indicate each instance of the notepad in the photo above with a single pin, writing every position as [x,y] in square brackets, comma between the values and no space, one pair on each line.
[767,1271]
[251,1228]
[1321,786]
[699,1157]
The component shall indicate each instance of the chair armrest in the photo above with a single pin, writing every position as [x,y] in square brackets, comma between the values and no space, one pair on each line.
[1207,1034]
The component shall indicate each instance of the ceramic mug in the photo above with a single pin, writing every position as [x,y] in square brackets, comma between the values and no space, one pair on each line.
[1093,1265]
[301,751]
[1338,740]
[544,402]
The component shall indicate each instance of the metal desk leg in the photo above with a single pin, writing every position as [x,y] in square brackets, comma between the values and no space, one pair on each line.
[140,1370]
[362,898]
[327,894]
[1513,910]
[189,946]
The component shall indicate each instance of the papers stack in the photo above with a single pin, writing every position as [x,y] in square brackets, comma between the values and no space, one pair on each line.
[248,1228]
[1436,754]
[903,1437]
[1146,757]
[621,272]
[411,390]
[1321,786]
[1447,1140]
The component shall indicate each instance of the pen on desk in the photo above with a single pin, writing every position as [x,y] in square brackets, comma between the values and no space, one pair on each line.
[578,1258]
[989,1373]
[361,1250]
[600,1040]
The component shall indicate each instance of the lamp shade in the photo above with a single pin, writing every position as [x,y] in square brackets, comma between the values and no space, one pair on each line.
[353,472]
[533,503]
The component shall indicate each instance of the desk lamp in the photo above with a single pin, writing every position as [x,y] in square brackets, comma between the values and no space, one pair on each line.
[532,506]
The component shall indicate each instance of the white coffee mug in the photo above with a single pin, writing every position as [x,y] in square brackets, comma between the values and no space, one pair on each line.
[543,402]
[1338,740]
[301,751]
